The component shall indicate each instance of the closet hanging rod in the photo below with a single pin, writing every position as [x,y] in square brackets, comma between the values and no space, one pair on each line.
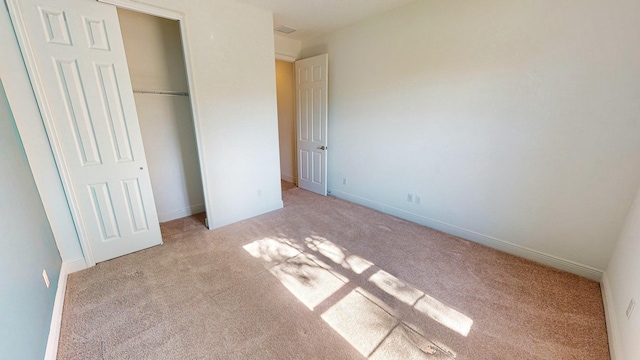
[161,92]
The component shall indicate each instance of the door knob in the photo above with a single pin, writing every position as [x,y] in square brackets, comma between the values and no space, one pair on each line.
[322,147]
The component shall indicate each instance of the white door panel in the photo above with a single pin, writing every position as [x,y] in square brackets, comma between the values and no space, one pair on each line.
[76,61]
[311,102]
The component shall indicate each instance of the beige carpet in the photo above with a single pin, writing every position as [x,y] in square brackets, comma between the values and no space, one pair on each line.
[327,279]
[287,185]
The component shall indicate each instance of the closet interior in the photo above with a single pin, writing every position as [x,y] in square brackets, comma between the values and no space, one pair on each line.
[155,58]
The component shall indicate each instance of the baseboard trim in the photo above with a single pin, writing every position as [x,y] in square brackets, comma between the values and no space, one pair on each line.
[615,348]
[180,213]
[288,178]
[490,241]
[56,317]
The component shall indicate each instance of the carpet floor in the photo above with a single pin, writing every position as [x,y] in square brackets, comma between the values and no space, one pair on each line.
[327,279]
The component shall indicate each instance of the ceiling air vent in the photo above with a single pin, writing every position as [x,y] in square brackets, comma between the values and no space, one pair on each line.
[285,29]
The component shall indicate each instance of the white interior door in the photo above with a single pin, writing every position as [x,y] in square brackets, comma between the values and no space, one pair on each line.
[76,61]
[311,140]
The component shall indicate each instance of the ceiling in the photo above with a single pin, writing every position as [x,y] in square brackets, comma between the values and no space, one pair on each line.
[315,17]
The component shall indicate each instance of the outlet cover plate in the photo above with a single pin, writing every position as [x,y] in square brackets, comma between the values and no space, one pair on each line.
[46,278]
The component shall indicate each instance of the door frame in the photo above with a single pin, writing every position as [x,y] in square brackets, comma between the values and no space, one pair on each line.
[171,12]
[184,37]
[293,59]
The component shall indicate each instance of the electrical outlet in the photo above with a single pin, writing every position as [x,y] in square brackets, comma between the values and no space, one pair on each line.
[417,200]
[632,304]
[259,192]
[409,198]
[46,278]
[344,181]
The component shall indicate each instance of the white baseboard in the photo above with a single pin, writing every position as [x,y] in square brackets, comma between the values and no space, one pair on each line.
[288,178]
[615,348]
[180,213]
[490,241]
[56,317]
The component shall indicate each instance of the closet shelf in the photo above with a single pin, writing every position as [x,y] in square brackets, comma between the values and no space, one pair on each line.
[161,92]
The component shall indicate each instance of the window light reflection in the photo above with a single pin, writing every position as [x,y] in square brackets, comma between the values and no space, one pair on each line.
[358,316]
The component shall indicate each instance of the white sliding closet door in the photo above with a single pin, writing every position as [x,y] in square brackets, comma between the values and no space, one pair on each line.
[76,61]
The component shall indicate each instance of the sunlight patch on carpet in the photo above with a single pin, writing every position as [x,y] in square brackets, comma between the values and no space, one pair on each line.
[404,343]
[308,281]
[271,250]
[360,317]
[444,315]
[422,302]
[339,256]
[363,324]
[393,286]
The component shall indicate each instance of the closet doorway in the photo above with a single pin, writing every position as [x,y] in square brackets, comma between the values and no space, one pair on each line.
[155,58]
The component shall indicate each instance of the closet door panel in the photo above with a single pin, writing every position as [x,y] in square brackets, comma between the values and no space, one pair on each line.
[76,61]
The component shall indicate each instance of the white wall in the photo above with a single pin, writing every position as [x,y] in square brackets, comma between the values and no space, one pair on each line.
[516,123]
[285,85]
[621,284]
[155,60]
[27,247]
[154,51]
